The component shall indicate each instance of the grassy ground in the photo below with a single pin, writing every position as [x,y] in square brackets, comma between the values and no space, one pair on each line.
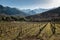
[29,31]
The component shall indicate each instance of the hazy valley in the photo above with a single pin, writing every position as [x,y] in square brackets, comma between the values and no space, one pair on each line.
[35,24]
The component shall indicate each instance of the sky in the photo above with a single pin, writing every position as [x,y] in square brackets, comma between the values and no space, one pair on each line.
[31,4]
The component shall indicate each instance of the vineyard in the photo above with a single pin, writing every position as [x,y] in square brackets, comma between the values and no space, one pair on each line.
[29,30]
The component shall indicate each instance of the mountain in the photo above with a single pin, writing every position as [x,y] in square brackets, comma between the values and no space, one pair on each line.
[32,12]
[11,11]
[53,14]
[40,10]
[35,11]
[29,11]
[26,10]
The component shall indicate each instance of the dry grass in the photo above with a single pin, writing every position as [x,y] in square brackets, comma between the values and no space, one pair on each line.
[28,31]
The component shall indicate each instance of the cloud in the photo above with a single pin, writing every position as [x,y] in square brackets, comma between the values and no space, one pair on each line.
[32,4]
[49,4]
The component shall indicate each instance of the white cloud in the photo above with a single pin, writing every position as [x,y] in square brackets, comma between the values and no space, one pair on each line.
[43,4]
[52,4]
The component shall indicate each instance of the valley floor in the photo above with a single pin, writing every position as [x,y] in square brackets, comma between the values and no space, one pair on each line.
[29,30]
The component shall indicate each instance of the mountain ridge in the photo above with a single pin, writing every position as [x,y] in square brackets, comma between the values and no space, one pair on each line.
[49,15]
[34,11]
[11,11]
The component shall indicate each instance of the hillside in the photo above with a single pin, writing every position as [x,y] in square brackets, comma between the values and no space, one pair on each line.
[11,14]
[46,16]
[11,11]
[34,11]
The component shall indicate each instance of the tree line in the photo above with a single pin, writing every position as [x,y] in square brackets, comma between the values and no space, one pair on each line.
[11,18]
